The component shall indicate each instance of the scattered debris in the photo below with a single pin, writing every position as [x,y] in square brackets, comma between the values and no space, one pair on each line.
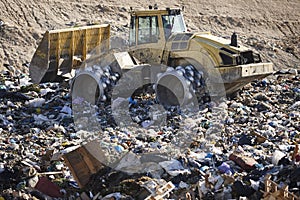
[43,154]
[272,191]
[84,162]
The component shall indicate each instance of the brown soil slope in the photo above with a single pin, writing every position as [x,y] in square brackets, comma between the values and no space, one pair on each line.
[271,27]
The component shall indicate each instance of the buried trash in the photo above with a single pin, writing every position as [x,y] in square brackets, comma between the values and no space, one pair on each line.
[44,156]
[45,186]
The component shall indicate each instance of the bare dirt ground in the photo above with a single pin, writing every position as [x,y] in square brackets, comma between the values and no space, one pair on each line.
[271,27]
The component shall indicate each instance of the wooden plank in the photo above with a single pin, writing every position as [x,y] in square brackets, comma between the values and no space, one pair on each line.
[97,155]
[88,161]
[83,162]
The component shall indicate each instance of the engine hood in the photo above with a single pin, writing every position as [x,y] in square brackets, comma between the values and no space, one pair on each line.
[218,42]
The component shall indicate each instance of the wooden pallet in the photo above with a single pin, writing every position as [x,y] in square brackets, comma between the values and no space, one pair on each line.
[272,191]
[84,162]
[161,192]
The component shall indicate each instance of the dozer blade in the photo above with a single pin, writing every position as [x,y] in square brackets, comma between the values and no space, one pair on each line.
[62,50]
[236,77]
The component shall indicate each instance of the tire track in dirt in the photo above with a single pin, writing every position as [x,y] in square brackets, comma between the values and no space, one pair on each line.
[17,15]
[22,7]
[36,19]
[8,10]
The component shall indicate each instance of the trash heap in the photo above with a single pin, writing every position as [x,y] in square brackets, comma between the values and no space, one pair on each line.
[251,150]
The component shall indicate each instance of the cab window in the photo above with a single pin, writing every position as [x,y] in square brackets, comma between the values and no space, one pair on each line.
[148,31]
[174,22]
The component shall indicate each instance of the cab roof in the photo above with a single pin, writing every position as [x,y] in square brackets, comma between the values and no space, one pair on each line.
[149,12]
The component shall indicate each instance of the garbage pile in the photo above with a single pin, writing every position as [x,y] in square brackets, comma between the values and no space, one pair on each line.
[251,150]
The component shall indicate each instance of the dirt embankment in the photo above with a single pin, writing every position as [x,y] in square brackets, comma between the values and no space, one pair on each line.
[271,27]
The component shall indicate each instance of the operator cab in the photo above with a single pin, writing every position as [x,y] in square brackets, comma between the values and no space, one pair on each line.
[154,26]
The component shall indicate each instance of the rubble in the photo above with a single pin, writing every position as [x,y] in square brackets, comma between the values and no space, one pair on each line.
[245,162]
[252,145]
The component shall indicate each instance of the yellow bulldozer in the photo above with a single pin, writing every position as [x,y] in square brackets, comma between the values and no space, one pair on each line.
[175,61]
